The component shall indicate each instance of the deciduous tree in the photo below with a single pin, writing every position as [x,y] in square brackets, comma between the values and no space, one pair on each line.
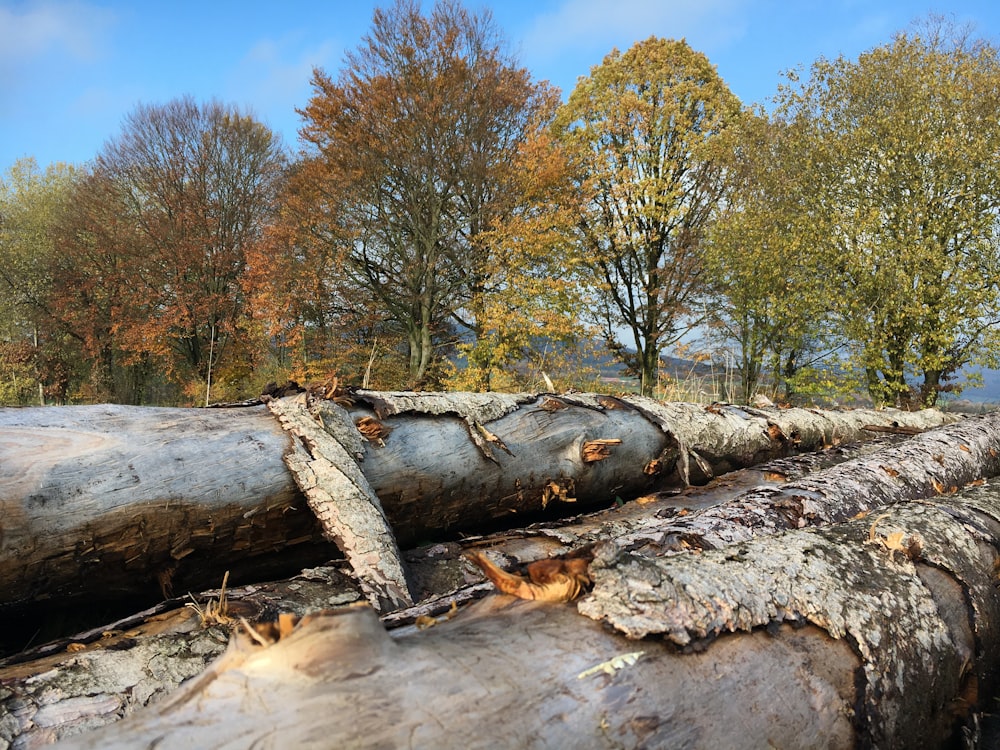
[767,299]
[195,183]
[416,148]
[32,202]
[641,128]
[902,143]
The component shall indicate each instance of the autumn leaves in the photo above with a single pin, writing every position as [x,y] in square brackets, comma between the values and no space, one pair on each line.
[450,222]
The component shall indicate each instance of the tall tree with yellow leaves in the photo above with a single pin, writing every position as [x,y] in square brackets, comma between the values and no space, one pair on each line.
[902,146]
[640,129]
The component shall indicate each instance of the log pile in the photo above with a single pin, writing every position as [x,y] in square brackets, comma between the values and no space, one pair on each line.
[107,502]
[781,605]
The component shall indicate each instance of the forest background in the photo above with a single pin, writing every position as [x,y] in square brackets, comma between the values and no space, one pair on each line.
[450,222]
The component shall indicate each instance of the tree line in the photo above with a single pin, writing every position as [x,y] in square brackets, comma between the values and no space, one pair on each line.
[450,222]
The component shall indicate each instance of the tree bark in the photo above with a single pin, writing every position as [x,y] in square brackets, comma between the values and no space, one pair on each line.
[104,502]
[782,569]
[871,633]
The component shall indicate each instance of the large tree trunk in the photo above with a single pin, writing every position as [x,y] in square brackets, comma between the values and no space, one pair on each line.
[909,593]
[104,502]
[871,633]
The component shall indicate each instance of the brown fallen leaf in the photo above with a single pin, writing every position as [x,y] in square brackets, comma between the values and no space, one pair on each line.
[550,580]
[373,430]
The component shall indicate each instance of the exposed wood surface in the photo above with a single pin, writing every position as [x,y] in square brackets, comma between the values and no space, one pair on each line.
[438,569]
[103,502]
[841,636]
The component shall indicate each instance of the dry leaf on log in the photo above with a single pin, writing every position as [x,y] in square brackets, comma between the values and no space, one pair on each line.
[551,580]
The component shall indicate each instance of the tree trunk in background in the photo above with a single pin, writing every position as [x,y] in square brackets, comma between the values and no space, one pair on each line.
[103,502]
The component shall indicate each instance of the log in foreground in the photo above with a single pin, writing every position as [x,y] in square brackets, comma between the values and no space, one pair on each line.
[95,677]
[874,632]
[103,502]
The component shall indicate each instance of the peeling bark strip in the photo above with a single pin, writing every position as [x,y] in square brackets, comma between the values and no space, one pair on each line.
[475,408]
[327,472]
[856,581]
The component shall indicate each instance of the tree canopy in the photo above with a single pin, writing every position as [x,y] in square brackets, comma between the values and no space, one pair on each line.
[451,222]
[901,145]
[419,151]
[641,130]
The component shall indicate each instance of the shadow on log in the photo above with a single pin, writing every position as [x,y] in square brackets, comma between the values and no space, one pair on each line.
[106,502]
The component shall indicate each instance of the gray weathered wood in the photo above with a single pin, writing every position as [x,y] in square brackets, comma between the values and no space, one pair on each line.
[109,501]
[827,637]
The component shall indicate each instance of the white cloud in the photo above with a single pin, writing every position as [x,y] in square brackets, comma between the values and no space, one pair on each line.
[580,25]
[39,29]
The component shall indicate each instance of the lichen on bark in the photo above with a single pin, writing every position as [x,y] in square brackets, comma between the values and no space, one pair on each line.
[858,580]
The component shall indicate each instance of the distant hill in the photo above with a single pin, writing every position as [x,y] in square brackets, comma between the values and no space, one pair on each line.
[989,391]
[683,369]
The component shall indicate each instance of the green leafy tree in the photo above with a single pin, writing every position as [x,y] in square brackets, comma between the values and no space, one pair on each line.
[767,300]
[36,358]
[641,129]
[902,145]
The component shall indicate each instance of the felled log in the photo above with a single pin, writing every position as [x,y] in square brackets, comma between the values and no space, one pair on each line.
[105,502]
[877,632]
[437,570]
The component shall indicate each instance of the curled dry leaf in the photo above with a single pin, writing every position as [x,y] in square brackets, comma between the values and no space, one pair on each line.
[897,541]
[551,580]
[550,404]
[372,429]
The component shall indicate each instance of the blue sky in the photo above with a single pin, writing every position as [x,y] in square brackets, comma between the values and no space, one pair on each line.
[70,70]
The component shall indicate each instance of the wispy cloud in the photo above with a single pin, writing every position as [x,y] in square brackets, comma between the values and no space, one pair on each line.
[44,42]
[580,25]
[36,29]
